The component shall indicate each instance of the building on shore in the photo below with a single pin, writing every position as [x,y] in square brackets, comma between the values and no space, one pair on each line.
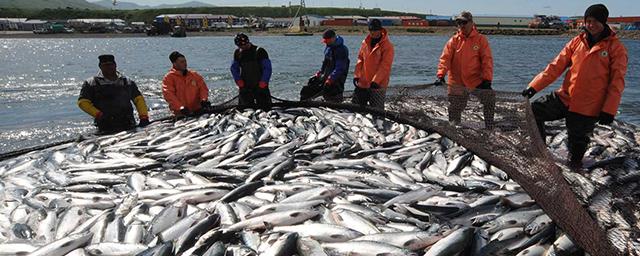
[12,23]
[502,21]
[95,25]
[336,21]
[200,21]
[31,25]
[440,21]
[313,20]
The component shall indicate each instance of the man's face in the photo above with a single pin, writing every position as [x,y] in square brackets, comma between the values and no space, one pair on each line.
[464,26]
[244,47]
[375,33]
[593,26]
[108,69]
[329,41]
[180,64]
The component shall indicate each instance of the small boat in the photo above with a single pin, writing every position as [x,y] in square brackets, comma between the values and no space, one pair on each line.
[297,27]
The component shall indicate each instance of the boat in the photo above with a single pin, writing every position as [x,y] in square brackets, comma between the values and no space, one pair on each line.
[297,27]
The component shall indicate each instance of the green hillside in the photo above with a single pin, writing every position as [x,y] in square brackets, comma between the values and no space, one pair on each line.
[51,4]
[149,14]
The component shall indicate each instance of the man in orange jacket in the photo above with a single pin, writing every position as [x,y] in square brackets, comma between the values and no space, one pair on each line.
[373,69]
[107,98]
[467,60]
[592,88]
[184,89]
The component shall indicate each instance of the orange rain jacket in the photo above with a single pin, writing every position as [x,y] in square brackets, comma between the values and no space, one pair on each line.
[374,65]
[184,91]
[467,60]
[595,80]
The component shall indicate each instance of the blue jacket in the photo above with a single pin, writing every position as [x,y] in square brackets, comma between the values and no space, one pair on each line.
[336,61]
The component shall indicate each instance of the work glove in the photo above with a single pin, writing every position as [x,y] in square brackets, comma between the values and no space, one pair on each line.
[144,121]
[374,85]
[184,111]
[205,104]
[362,95]
[263,85]
[314,80]
[529,92]
[356,81]
[486,84]
[99,116]
[328,82]
[240,83]
[439,81]
[605,118]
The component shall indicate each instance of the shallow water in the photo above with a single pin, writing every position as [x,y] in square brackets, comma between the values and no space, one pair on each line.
[40,79]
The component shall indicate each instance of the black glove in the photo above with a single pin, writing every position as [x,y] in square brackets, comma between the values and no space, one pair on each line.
[184,111]
[314,80]
[361,95]
[144,122]
[605,118]
[529,92]
[486,84]
[205,105]
[374,85]
[355,82]
[439,82]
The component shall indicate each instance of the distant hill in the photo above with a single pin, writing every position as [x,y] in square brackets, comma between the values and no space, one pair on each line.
[121,5]
[183,5]
[132,6]
[51,4]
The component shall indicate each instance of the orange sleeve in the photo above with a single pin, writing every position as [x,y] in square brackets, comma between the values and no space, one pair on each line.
[555,68]
[618,70]
[202,88]
[360,63]
[487,60]
[445,59]
[169,94]
[384,69]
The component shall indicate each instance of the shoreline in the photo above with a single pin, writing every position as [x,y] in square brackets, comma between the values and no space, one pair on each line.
[404,31]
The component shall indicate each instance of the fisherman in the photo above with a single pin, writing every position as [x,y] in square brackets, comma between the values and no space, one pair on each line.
[468,62]
[597,62]
[333,73]
[373,68]
[184,89]
[107,98]
[251,70]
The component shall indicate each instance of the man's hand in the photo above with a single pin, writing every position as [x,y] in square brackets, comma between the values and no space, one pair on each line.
[439,81]
[605,118]
[529,92]
[240,83]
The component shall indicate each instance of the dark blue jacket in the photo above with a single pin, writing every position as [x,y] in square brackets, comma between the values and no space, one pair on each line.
[243,59]
[336,61]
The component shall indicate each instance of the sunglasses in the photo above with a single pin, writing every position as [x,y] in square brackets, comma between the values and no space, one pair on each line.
[461,22]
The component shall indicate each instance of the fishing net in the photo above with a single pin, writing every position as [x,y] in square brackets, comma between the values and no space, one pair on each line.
[499,127]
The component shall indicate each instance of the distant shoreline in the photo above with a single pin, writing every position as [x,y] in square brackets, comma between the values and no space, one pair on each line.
[438,31]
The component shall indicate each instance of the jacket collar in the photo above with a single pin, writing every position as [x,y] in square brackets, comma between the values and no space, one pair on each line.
[474,33]
[101,76]
[383,38]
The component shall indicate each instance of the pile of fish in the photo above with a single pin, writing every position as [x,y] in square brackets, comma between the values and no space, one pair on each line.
[609,184]
[284,182]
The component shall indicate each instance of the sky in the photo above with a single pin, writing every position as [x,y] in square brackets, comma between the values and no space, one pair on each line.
[446,7]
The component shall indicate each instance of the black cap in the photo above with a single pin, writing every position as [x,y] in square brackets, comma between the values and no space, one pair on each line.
[375,25]
[465,16]
[329,33]
[174,56]
[241,39]
[598,12]
[107,58]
